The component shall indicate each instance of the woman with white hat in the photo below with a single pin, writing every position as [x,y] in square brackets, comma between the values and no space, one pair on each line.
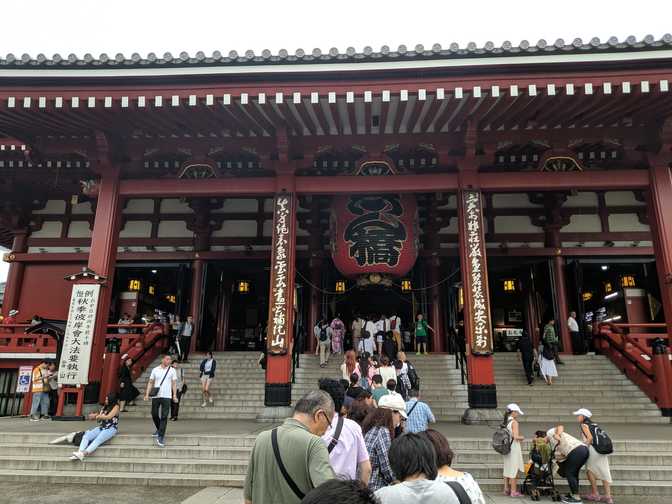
[571,455]
[513,461]
[597,466]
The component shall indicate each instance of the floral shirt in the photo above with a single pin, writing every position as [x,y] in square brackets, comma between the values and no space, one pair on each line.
[378,443]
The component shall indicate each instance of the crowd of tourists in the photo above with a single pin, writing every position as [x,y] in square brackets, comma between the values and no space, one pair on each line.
[373,334]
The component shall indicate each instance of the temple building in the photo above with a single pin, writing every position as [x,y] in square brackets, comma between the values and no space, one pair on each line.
[491,189]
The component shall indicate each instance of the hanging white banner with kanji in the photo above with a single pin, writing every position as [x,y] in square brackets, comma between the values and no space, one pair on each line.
[78,340]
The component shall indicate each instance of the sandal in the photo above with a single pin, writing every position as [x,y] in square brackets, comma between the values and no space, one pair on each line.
[516,494]
[592,497]
[608,500]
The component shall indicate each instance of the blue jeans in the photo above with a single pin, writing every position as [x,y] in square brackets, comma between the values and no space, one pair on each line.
[41,402]
[95,437]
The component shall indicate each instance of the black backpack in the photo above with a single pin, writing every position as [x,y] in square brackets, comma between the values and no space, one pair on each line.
[413,377]
[323,334]
[601,440]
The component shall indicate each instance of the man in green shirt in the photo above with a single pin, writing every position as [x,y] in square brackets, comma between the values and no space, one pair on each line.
[379,389]
[302,451]
[550,339]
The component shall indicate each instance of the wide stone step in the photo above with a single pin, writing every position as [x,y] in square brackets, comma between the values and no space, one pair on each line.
[615,460]
[618,488]
[141,440]
[120,479]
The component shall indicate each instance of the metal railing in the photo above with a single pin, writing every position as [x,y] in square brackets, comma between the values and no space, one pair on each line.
[13,339]
[461,364]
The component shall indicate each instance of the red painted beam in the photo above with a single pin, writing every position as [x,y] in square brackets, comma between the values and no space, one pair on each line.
[349,184]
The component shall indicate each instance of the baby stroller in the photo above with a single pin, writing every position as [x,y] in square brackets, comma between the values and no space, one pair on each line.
[539,477]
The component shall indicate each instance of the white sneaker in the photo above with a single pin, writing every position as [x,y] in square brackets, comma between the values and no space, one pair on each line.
[211,401]
[77,455]
[204,404]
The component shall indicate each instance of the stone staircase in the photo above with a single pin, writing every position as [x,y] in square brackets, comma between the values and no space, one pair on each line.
[237,391]
[589,381]
[638,467]
[440,382]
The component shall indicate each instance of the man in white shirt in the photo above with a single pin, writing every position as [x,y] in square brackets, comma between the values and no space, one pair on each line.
[395,327]
[164,378]
[322,333]
[380,333]
[573,326]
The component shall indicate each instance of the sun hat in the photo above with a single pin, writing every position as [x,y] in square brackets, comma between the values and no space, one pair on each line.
[583,411]
[514,407]
[13,312]
[393,402]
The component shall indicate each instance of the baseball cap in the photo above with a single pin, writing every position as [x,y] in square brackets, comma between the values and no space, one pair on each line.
[13,312]
[393,402]
[514,407]
[583,411]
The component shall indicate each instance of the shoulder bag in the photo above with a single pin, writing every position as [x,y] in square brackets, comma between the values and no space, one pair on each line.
[460,492]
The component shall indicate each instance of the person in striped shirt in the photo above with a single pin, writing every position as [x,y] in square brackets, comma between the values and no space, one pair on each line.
[419,413]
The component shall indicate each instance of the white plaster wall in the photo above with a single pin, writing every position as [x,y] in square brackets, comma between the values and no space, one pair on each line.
[139,205]
[174,205]
[137,229]
[582,199]
[237,228]
[515,224]
[79,229]
[174,229]
[83,208]
[622,198]
[583,224]
[452,227]
[626,222]
[52,207]
[512,200]
[238,205]
[50,229]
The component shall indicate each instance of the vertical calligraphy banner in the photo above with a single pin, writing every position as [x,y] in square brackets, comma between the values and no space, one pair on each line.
[78,339]
[477,298]
[281,302]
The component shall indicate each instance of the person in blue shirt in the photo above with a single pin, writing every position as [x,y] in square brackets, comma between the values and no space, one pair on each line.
[419,413]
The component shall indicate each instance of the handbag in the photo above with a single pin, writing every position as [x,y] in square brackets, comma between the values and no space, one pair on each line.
[154,391]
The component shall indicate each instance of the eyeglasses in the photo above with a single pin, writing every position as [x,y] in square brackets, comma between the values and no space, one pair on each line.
[324,414]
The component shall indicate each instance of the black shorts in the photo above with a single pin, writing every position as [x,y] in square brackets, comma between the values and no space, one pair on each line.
[421,339]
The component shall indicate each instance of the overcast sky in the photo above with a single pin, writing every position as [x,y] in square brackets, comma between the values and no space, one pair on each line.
[67,26]
[143,26]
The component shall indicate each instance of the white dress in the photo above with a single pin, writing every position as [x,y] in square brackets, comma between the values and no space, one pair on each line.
[513,461]
[597,463]
[547,366]
[469,484]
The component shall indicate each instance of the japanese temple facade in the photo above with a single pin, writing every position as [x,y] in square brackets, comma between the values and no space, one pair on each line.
[450,178]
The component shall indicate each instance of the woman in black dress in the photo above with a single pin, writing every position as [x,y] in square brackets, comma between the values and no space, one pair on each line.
[127,391]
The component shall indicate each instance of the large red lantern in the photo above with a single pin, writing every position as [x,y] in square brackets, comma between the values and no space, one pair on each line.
[374,233]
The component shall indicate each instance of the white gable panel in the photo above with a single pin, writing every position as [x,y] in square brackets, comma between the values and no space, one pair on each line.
[139,205]
[582,199]
[174,229]
[583,224]
[238,205]
[512,200]
[622,198]
[83,208]
[137,229]
[237,228]
[626,223]
[515,224]
[174,205]
[50,229]
[52,207]
[79,229]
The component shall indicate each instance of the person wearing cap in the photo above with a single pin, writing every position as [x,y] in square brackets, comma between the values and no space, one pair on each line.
[597,466]
[571,455]
[513,461]
[11,317]
[380,429]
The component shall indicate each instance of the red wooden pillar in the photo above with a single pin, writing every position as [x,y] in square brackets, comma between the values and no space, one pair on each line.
[15,274]
[436,306]
[197,271]
[558,272]
[315,265]
[660,210]
[278,391]
[482,392]
[102,258]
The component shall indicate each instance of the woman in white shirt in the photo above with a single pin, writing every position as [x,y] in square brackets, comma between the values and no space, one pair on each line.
[444,459]
[386,371]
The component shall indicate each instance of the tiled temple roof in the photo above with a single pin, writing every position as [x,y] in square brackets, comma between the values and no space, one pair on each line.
[402,53]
